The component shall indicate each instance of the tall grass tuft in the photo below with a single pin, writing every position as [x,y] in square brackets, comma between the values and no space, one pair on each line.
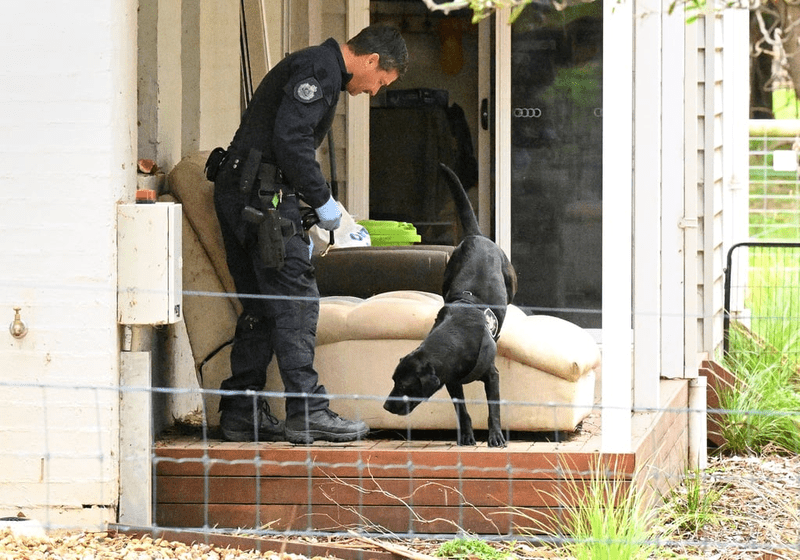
[763,409]
[690,507]
[604,518]
[605,530]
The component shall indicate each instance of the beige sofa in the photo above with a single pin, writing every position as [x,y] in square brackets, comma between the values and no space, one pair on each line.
[378,305]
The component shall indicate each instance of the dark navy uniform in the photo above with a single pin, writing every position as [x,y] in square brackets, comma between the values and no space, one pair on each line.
[287,119]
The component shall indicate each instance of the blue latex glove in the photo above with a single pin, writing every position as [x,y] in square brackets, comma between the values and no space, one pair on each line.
[329,215]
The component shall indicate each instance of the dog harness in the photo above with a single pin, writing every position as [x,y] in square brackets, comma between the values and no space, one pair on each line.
[492,324]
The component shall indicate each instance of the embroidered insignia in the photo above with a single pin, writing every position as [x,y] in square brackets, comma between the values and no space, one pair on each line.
[491,322]
[308,90]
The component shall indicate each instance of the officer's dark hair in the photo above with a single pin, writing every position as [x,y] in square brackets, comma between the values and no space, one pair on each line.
[387,42]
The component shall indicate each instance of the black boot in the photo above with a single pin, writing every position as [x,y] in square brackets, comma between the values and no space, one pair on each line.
[324,425]
[246,424]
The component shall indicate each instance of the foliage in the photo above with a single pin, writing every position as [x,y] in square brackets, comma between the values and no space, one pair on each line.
[604,518]
[784,104]
[480,8]
[603,529]
[690,507]
[763,410]
[471,549]
[694,8]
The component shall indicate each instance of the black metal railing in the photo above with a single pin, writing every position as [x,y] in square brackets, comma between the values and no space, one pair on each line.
[770,287]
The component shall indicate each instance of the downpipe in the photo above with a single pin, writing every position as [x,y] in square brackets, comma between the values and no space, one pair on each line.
[698,427]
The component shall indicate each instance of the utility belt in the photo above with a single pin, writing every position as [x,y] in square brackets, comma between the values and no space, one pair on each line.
[273,228]
[250,168]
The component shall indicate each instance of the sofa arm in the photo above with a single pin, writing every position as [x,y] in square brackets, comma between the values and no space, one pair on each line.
[365,271]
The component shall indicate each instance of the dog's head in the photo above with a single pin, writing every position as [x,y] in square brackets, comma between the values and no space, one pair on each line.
[414,381]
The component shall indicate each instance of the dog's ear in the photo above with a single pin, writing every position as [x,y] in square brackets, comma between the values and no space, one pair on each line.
[407,365]
[429,381]
[510,275]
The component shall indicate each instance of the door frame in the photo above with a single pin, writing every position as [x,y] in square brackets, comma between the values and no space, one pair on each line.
[617,386]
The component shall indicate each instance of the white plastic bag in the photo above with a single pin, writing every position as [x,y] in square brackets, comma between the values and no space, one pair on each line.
[348,234]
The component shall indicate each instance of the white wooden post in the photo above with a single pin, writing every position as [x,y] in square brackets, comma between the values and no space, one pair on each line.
[674,225]
[617,206]
[690,217]
[135,440]
[647,202]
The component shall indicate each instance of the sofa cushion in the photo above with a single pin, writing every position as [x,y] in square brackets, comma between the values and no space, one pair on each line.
[547,366]
[549,344]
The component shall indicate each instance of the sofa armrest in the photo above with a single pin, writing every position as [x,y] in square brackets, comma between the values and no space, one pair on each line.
[365,271]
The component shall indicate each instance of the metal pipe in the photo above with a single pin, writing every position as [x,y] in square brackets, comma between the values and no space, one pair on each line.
[697,424]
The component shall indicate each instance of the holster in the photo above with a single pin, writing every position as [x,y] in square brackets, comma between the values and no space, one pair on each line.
[271,250]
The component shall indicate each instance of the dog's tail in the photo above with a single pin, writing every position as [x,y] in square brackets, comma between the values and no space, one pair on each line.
[466,214]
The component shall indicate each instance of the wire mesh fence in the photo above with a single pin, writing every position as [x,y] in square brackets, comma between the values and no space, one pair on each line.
[414,490]
[406,491]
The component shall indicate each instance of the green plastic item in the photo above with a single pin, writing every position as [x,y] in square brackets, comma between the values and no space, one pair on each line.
[387,232]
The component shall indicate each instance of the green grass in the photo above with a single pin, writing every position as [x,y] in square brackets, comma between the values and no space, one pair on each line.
[602,518]
[602,530]
[774,297]
[764,407]
[784,104]
[463,548]
[689,507]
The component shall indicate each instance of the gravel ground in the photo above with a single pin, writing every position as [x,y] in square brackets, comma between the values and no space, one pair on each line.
[85,546]
[757,516]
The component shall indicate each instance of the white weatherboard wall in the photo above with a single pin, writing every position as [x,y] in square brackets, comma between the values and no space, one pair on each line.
[67,157]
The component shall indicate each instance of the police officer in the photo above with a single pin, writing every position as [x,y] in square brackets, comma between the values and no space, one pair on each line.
[269,167]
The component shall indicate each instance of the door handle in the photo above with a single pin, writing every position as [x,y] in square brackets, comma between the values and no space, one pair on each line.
[485,114]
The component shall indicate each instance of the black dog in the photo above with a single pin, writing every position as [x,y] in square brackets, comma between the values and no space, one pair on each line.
[479,283]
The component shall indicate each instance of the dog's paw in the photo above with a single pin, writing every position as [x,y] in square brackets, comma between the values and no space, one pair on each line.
[496,439]
[467,439]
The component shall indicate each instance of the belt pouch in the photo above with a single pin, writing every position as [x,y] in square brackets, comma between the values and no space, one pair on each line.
[214,162]
[250,171]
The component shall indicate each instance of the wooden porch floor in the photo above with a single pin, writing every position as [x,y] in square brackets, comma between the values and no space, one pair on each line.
[422,486]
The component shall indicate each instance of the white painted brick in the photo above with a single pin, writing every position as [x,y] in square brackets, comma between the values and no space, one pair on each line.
[84,367]
[81,411]
[51,420]
[62,518]
[68,93]
[26,468]
[76,493]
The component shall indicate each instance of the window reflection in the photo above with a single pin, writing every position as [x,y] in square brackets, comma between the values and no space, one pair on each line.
[556,161]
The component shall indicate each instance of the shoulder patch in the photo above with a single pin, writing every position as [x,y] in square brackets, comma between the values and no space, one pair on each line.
[308,90]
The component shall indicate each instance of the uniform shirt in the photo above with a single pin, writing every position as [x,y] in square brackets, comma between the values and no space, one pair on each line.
[290,114]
